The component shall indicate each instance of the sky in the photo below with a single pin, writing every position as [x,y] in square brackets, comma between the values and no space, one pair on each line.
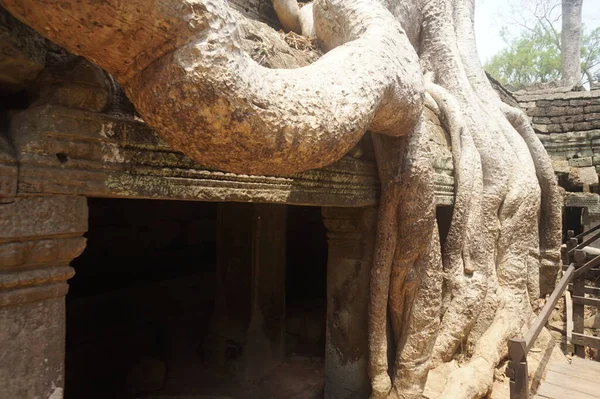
[491,15]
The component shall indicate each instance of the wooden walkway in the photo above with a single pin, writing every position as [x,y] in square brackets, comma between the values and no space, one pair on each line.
[578,380]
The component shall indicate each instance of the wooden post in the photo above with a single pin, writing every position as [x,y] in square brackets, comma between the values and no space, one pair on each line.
[578,308]
[569,246]
[569,308]
[517,369]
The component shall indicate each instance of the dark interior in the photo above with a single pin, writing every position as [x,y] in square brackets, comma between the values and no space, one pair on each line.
[444,219]
[142,298]
[572,220]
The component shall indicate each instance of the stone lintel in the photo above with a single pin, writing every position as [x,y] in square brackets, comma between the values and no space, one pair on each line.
[74,152]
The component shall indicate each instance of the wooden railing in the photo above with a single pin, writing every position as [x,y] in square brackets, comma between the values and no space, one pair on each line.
[577,265]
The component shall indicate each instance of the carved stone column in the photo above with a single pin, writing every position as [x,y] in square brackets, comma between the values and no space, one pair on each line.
[248,327]
[351,237]
[39,236]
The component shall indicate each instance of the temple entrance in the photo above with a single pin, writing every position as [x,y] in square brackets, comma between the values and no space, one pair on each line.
[141,319]
[142,296]
[573,220]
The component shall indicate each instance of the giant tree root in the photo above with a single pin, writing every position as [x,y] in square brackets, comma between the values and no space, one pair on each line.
[491,258]
[184,66]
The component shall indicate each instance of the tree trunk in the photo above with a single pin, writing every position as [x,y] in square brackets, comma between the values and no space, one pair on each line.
[389,65]
[570,36]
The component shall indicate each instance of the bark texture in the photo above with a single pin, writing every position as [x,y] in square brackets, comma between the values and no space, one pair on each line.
[391,66]
[570,42]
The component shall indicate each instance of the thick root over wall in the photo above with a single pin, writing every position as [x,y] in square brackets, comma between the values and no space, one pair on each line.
[184,65]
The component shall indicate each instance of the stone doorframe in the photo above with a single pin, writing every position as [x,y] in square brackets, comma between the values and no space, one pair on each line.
[41,234]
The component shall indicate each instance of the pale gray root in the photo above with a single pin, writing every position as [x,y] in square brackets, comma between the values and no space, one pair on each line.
[208,98]
[288,14]
[416,216]
[552,201]
[254,117]
[388,151]
[551,209]
[466,222]
[184,64]
[405,252]
[307,21]
[413,360]
[467,179]
[517,259]
[416,278]
[467,290]
[293,18]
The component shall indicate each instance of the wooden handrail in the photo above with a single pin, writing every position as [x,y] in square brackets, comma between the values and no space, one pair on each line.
[546,311]
[585,233]
[519,347]
[585,243]
[586,267]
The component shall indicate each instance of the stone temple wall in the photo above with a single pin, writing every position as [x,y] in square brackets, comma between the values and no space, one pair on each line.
[574,111]
[568,124]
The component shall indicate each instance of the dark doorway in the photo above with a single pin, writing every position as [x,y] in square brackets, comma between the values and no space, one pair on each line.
[141,304]
[444,219]
[306,281]
[142,296]
[572,220]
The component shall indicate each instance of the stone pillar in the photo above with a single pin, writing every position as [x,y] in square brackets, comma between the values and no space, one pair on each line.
[39,236]
[351,237]
[248,327]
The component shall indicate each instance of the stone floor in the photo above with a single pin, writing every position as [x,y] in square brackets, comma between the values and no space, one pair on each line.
[298,378]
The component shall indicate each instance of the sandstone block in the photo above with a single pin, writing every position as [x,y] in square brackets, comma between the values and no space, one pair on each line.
[586,176]
[43,216]
[580,162]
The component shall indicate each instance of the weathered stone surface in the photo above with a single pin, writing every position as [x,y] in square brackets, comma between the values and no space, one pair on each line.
[76,83]
[36,216]
[39,236]
[562,112]
[580,162]
[583,176]
[32,349]
[592,321]
[590,201]
[20,253]
[66,151]
[571,95]
[8,170]
[561,166]
[351,242]
[22,54]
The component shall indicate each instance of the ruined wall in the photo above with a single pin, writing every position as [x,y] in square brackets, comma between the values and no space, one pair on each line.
[570,112]
[568,124]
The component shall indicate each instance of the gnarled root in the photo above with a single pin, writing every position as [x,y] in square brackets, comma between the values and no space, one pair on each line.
[183,65]
[407,249]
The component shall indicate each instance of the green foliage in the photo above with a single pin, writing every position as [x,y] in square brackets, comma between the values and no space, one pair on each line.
[534,57]
[590,55]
